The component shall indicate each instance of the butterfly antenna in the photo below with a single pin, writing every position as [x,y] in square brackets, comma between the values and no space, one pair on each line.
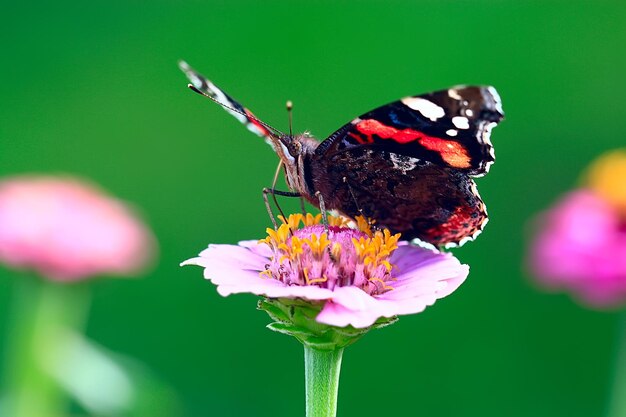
[276,132]
[289,112]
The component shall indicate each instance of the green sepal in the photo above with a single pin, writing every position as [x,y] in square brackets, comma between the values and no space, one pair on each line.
[296,317]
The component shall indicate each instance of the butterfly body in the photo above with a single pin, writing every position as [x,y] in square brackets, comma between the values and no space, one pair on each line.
[408,165]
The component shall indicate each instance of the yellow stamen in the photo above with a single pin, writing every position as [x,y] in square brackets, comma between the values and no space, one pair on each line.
[364,225]
[314,280]
[293,221]
[270,239]
[375,250]
[387,265]
[338,221]
[335,251]
[296,245]
[277,237]
[360,246]
[318,244]
[317,280]
[311,220]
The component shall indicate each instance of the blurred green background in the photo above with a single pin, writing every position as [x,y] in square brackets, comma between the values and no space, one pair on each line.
[92,88]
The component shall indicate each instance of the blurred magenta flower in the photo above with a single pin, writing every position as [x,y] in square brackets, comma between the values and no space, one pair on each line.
[355,276]
[68,229]
[580,243]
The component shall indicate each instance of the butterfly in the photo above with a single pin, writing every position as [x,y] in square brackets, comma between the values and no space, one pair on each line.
[408,165]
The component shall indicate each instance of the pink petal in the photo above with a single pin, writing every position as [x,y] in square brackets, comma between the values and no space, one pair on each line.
[256,247]
[235,269]
[235,256]
[425,272]
[337,315]
[428,276]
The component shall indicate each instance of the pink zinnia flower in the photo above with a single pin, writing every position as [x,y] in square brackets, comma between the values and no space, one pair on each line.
[67,229]
[353,275]
[580,245]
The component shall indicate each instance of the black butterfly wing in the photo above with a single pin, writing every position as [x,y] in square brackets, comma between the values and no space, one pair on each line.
[414,197]
[408,164]
[450,128]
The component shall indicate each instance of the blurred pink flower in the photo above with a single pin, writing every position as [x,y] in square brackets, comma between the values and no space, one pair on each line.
[580,244]
[67,229]
[355,275]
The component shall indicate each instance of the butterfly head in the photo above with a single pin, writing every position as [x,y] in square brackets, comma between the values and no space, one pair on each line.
[293,151]
[286,148]
[291,148]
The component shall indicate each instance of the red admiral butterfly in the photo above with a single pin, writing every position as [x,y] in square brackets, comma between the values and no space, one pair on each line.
[407,165]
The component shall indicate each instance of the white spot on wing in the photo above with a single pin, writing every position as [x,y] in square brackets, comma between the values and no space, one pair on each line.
[453,93]
[451,132]
[427,108]
[460,122]
[496,98]
[484,135]
[254,129]
[402,162]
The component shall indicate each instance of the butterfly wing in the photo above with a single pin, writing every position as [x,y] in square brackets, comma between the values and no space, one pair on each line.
[450,128]
[408,164]
[407,195]
[245,116]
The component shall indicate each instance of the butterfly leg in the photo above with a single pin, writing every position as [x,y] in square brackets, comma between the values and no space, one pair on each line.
[274,193]
[322,209]
[302,206]
[276,173]
[269,208]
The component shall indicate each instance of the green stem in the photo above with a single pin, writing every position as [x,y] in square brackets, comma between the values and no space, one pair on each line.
[617,401]
[41,311]
[322,370]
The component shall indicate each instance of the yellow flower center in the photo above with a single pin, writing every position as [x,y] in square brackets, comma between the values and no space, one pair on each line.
[305,252]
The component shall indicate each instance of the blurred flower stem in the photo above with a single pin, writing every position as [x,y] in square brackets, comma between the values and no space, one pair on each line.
[41,311]
[322,370]
[617,400]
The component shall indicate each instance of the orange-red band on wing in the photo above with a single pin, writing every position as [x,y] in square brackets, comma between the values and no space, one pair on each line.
[452,152]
